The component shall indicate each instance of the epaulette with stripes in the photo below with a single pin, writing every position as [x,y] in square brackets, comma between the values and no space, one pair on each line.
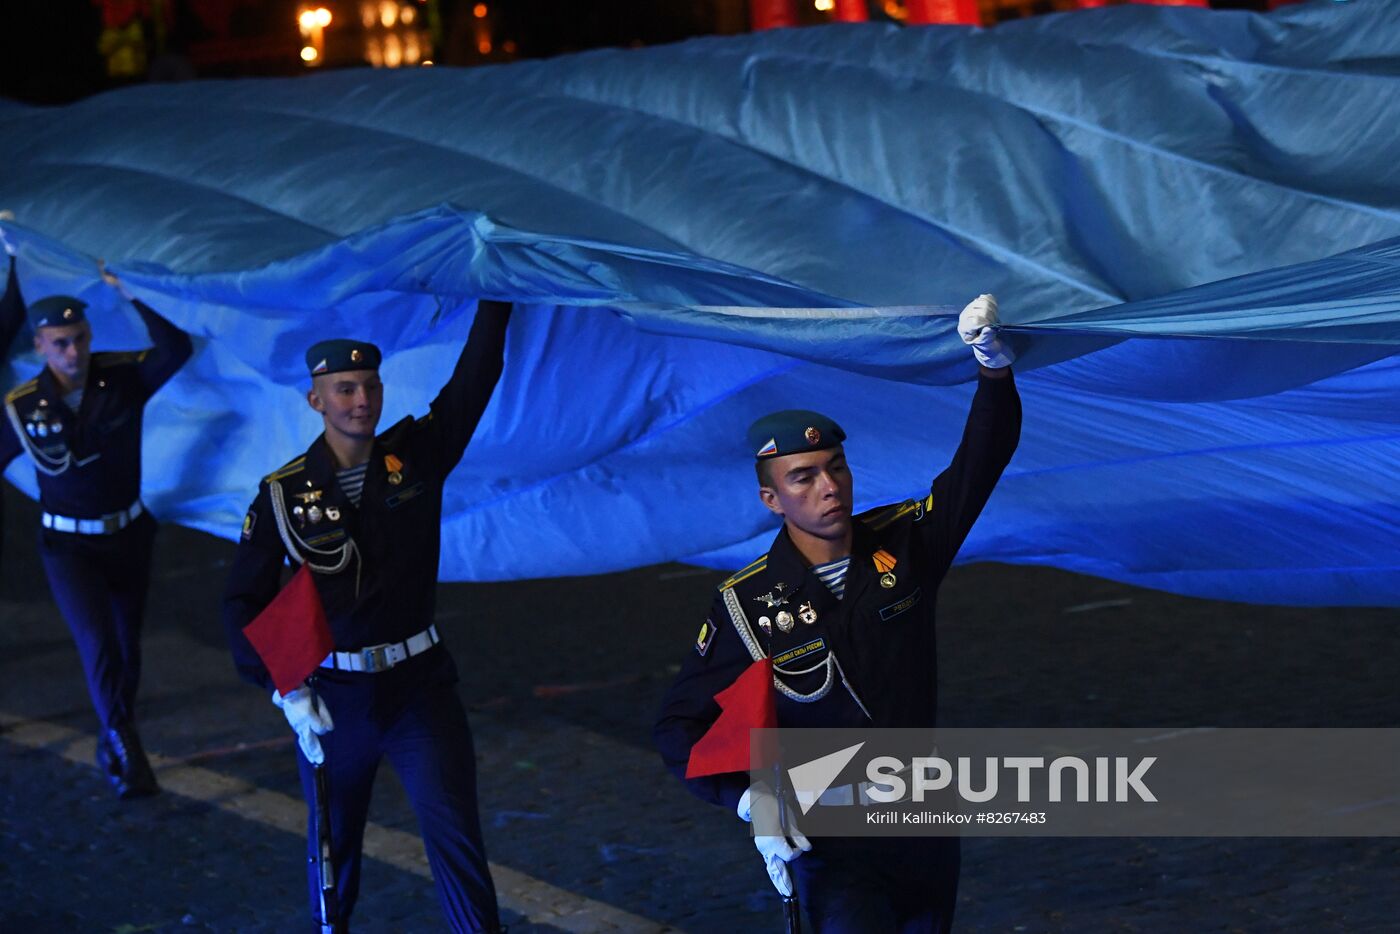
[745,572]
[286,470]
[878,519]
[23,389]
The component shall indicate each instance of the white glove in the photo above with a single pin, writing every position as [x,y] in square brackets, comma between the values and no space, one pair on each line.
[111,279]
[4,240]
[759,806]
[309,717]
[977,326]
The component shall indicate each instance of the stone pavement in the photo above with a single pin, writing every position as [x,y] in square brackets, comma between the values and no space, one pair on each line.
[586,830]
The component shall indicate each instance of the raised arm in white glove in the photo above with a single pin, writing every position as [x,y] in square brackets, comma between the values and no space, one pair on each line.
[759,806]
[309,717]
[977,326]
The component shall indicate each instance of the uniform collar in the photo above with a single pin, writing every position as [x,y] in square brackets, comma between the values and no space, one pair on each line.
[786,563]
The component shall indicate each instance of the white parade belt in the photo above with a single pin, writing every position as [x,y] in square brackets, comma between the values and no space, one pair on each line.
[105,525]
[376,658]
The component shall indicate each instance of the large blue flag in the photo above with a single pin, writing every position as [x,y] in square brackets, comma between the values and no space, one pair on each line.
[1188,216]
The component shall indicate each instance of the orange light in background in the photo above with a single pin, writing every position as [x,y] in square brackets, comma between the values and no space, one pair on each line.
[484,46]
[508,47]
[308,54]
[306,19]
[369,14]
[393,51]
[427,63]
[480,11]
[323,17]
[388,13]
[895,10]
[374,52]
[407,14]
[411,52]
[825,6]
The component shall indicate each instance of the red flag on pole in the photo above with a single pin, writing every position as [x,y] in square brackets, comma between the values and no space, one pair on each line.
[290,635]
[745,705]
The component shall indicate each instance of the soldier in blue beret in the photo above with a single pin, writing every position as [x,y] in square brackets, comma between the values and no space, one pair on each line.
[364,511]
[79,421]
[843,605]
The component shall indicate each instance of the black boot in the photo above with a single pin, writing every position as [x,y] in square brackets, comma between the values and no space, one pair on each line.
[123,761]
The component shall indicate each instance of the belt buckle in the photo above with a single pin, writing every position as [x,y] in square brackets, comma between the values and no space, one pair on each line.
[375,659]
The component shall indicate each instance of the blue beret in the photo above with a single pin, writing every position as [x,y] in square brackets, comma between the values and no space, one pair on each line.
[56,311]
[793,431]
[337,356]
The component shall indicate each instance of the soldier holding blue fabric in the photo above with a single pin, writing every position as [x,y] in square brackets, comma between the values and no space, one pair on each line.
[364,512]
[80,423]
[844,607]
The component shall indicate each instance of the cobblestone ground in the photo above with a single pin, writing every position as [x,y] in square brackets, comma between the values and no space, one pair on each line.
[587,831]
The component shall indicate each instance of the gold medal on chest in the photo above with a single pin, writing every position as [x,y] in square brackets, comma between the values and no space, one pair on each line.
[884,563]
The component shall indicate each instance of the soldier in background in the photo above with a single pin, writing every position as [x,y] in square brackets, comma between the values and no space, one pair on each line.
[79,421]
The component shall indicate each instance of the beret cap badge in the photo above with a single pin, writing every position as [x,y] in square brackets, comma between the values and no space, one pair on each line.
[812,435]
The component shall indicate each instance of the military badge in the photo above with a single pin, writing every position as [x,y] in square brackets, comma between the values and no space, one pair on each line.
[774,597]
[807,614]
[249,521]
[784,621]
[884,563]
[705,637]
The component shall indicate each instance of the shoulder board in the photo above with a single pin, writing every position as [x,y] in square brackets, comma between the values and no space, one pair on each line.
[878,519]
[286,470]
[23,389]
[117,358]
[746,572]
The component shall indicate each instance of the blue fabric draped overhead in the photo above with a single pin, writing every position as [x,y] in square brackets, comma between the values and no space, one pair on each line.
[1190,218]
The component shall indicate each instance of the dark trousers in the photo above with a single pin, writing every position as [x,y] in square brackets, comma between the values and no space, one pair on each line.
[424,735]
[99,583]
[872,885]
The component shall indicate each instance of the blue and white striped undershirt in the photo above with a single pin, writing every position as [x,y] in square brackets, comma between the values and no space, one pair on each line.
[833,575]
[352,482]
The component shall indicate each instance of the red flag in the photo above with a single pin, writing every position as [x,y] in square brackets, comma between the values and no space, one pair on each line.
[745,705]
[290,635]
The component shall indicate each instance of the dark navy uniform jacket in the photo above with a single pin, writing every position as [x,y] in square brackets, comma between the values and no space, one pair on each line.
[89,462]
[868,659]
[387,589]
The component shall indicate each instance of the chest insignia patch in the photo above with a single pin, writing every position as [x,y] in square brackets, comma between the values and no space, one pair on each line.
[801,651]
[894,609]
[404,495]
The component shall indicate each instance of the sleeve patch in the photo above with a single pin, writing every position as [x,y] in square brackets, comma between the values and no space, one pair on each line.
[705,637]
[249,521]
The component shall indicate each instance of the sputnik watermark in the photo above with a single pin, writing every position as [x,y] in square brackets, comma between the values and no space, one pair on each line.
[1086,782]
[1114,780]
